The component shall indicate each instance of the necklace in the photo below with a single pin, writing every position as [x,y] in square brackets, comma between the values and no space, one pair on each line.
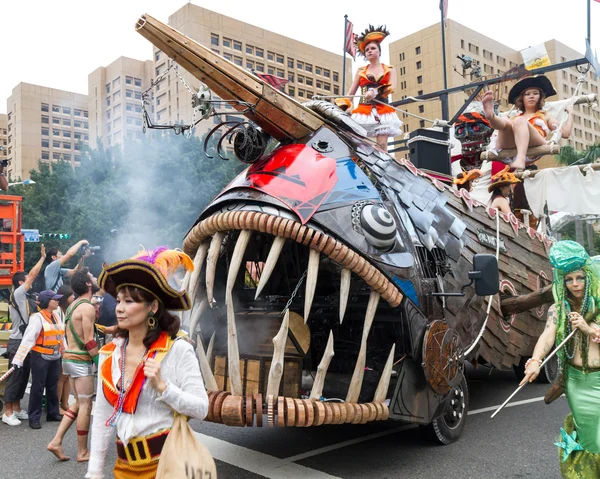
[122,387]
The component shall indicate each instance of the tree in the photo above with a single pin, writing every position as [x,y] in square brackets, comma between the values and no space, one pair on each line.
[569,155]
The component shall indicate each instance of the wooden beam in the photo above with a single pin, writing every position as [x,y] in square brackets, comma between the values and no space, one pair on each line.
[533,173]
[524,302]
[531,152]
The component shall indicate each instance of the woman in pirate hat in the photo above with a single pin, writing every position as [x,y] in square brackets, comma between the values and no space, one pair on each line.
[531,127]
[376,82]
[501,187]
[145,374]
[576,291]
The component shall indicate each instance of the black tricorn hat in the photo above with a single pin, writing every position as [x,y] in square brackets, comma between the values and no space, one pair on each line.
[539,81]
[149,274]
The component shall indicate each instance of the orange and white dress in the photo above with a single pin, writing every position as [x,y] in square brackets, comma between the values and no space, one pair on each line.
[538,121]
[376,118]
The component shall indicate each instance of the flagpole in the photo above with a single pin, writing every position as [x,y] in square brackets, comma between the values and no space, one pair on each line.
[344,64]
[589,15]
[444,97]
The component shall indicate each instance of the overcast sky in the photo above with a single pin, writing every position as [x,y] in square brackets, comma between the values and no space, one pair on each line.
[58,43]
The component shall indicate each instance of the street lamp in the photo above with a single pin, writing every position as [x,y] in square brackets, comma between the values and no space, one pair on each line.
[25,182]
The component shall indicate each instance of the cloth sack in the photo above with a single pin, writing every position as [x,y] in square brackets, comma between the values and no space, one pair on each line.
[183,457]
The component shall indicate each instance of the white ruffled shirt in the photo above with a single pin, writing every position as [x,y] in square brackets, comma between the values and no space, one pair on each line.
[185,394]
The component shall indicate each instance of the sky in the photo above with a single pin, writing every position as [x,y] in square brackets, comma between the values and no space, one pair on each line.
[58,43]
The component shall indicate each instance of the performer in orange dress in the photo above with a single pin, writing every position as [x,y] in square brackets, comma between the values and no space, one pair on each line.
[376,82]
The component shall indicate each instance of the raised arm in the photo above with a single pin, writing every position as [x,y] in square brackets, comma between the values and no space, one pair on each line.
[542,347]
[35,270]
[72,251]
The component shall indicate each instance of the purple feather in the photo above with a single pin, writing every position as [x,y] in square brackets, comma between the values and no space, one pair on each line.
[150,255]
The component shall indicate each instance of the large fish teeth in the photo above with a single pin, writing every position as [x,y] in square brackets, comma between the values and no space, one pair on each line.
[207,374]
[344,292]
[237,257]
[384,381]
[311,281]
[272,258]
[317,389]
[214,251]
[196,315]
[194,279]
[211,344]
[359,369]
[276,371]
[233,352]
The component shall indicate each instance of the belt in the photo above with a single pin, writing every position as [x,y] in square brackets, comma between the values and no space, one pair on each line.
[142,450]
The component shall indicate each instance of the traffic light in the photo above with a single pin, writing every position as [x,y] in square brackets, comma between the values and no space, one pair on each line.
[59,236]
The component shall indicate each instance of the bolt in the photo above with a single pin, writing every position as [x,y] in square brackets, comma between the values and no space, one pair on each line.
[452,402]
[454,413]
[460,415]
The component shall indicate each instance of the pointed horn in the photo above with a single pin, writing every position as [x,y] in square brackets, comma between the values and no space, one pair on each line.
[359,369]
[233,352]
[317,389]
[207,374]
[211,264]
[211,344]
[194,280]
[276,371]
[384,381]
[272,258]
[311,281]
[344,292]
[196,315]
[237,257]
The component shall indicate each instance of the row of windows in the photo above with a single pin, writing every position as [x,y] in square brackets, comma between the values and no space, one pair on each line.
[65,110]
[64,122]
[271,56]
[57,144]
[128,94]
[65,133]
[116,83]
[59,156]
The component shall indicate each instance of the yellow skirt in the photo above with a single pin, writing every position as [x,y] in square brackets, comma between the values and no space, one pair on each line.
[126,471]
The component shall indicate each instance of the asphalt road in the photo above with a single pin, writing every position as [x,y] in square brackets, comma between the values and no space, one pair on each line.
[518,443]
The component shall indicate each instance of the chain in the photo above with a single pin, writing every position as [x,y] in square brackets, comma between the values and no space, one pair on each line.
[294,293]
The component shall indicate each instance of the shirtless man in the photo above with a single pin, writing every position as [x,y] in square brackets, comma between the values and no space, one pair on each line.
[79,363]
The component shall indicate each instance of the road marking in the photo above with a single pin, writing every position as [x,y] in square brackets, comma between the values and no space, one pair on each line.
[350,442]
[258,462]
[516,403]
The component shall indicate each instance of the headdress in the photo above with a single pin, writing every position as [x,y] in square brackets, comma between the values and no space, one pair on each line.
[567,257]
[371,34]
[149,271]
[502,179]
[539,81]
[465,176]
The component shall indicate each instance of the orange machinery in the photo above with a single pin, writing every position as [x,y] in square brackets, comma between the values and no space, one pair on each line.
[12,246]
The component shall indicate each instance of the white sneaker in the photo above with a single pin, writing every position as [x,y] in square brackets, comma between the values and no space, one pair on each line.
[21,415]
[10,420]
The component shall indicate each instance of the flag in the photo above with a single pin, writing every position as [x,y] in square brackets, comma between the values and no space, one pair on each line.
[444,8]
[350,37]
[272,80]
[536,57]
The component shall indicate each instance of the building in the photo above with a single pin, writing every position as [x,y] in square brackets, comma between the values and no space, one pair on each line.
[44,124]
[3,137]
[417,58]
[115,94]
[310,70]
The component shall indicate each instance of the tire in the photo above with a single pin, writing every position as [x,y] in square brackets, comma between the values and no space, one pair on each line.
[519,369]
[550,371]
[448,427]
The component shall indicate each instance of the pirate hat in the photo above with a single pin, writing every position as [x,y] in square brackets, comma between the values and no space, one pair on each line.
[465,176]
[539,81]
[503,179]
[371,34]
[149,271]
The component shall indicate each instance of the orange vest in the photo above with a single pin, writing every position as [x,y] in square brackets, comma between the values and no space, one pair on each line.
[50,339]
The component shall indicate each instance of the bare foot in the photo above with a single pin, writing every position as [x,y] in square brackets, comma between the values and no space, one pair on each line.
[83,457]
[58,452]
[488,104]
[518,164]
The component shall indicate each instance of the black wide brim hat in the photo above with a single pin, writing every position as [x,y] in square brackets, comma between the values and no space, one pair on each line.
[540,81]
[145,276]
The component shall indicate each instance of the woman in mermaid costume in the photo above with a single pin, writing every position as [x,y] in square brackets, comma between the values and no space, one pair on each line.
[576,291]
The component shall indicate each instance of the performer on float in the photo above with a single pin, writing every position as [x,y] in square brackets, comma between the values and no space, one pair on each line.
[146,374]
[531,127]
[576,292]
[376,82]
[501,187]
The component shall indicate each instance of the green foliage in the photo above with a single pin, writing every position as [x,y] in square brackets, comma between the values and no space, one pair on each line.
[569,155]
[149,193]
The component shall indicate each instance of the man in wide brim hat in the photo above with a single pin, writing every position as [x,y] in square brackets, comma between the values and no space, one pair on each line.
[503,179]
[540,82]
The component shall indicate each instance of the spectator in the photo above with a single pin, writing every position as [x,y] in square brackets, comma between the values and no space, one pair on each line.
[55,272]
[20,308]
[64,388]
[108,316]
[3,180]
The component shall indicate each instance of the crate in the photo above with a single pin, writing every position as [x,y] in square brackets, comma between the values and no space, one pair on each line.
[254,371]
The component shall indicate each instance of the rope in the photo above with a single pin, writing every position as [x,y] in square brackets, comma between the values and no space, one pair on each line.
[557,134]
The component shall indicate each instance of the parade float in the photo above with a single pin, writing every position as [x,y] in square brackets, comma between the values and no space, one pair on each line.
[334,284]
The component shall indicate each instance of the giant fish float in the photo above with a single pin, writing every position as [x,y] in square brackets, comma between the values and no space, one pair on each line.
[335,284]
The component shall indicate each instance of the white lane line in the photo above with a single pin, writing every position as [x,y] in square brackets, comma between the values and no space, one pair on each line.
[257,462]
[516,403]
[350,442]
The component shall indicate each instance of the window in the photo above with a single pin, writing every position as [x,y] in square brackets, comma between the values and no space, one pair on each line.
[336,90]
[271,56]
[309,94]
[300,65]
[214,39]
[108,126]
[66,111]
[475,49]
[117,96]
[77,112]
[422,123]
[66,157]
[129,107]
[290,77]
[45,131]
[77,136]
[319,83]
[259,52]
[45,119]
[66,145]
[260,67]
[237,45]
[419,65]
[45,144]
[500,60]
[249,64]
[85,113]
[227,42]
[421,109]
[280,59]
[77,124]
[327,86]
[402,71]
[56,156]
[86,137]
[45,107]
[462,44]
[418,51]
[403,85]
[138,109]
[271,71]
[280,73]
[137,81]
[326,73]
[402,57]
[55,131]
[45,155]
[336,77]
[228,56]
[55,109]
[300,79]
[108,101]
[117,123]
[291,91]
[249,49]
[66,133]
[419,79]
[137,95]
[66,122]
[238,60]
[77,158]
[116,82]
[301,93]
[108,88]
[318,71]
[308,67]
[56,144]
[128,80]
[290,63]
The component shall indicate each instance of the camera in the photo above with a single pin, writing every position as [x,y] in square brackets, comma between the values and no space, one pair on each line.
[93,249]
